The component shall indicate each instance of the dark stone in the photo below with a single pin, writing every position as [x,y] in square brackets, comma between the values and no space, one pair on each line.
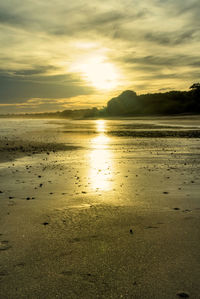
[45,223]
[183,295]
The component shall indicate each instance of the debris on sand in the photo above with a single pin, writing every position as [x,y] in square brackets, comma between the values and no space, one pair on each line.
[45,223]
[4,245]
[183,295]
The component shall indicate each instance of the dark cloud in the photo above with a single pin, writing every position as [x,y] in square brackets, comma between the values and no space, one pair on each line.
[181,7]
[7,18]
[35,70]
[16,90]
[163,61]
[167,39]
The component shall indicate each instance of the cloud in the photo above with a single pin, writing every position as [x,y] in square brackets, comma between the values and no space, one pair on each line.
[18,89]
[176,60]
[166,39]
[35,70]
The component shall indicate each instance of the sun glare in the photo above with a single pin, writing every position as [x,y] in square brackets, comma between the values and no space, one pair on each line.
[99,72]
[100,124]
[100,159]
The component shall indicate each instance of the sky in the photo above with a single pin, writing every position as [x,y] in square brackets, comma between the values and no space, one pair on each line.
[59,54]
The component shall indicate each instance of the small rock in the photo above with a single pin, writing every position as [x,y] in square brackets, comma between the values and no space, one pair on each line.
[183,295]
[45,223]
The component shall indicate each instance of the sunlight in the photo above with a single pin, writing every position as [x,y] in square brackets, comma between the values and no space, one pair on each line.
[100,172]
[100,123]
[100,160]
[100,142]
[100,73]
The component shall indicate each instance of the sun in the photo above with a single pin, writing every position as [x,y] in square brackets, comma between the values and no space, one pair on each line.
[99,72]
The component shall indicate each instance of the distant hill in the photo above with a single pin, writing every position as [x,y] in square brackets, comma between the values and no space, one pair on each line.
[66,114]
[173,102]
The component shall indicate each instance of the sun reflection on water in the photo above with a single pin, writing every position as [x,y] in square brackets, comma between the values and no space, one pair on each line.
[100,159]
[100,126]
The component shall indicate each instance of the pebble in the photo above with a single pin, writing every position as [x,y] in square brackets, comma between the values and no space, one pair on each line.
[45,223]
[183,295]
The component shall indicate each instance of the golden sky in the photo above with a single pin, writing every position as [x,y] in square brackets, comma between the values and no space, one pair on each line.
[59,54]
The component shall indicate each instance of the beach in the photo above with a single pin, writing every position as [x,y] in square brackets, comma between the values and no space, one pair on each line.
[100,208]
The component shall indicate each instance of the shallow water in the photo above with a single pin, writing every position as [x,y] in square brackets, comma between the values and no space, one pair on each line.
[121,168]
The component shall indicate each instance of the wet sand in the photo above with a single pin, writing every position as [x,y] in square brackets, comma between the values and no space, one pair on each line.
[92,215]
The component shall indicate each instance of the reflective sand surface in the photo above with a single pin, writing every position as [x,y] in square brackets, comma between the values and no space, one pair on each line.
[71,191]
